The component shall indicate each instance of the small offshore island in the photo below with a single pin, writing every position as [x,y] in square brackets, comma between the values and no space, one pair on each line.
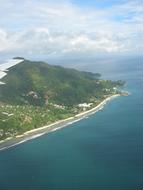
[36,94]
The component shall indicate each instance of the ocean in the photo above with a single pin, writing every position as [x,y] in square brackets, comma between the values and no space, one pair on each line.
[101,152]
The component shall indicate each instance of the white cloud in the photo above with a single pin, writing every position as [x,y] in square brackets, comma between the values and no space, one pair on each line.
[3,40]
[44,27]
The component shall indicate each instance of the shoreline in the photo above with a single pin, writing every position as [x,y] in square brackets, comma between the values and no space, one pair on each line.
[35,133]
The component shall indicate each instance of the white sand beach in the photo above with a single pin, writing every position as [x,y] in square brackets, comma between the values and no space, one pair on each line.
[10,142]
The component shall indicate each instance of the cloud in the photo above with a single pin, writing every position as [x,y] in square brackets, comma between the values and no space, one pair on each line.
[61,27]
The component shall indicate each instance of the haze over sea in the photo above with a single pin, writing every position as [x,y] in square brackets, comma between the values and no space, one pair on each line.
[102,152]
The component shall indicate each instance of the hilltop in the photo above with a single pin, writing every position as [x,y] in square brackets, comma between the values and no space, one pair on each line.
[38,83]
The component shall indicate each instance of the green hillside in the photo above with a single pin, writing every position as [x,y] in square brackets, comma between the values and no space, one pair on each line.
[38,83]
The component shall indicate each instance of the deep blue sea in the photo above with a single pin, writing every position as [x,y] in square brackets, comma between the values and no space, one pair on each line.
[101,152]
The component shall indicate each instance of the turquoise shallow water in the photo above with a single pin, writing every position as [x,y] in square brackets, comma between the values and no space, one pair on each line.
[102,152]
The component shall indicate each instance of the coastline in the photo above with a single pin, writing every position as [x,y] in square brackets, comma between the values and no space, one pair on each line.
[35,133]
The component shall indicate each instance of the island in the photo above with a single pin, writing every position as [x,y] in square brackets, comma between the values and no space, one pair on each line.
[36,97]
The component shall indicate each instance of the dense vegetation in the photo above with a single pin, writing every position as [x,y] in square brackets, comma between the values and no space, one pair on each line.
[37,83]
[36,93]
[19,119]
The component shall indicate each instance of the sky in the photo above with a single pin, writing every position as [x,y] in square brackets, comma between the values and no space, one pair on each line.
[71,27]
